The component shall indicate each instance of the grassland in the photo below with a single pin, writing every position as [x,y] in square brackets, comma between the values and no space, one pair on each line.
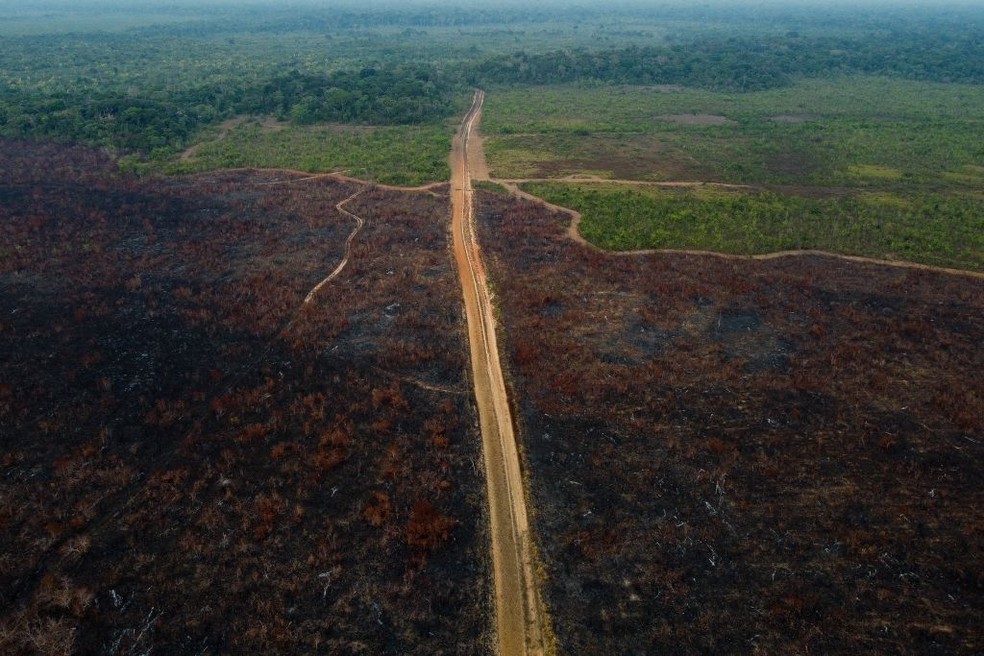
[945,230]
[400,155]
[818,132]
[861,165]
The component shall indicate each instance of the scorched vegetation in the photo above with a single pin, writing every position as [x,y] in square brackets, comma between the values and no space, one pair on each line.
[736,457]
[195,459]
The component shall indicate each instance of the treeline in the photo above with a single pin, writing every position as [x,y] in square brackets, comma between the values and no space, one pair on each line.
[271,19]
[750,64]
[402,96]
[211,19]
[111,120]
[156,123]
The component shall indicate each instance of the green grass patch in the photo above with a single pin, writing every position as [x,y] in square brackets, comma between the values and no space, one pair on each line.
[968,174]
[399,155]
[886,199]
[518,157]
[873,171]
[486,185]
[921,227]
[855,131]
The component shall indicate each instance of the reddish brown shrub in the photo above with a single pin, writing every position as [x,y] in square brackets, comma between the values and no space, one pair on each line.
[379,509]
[428,529]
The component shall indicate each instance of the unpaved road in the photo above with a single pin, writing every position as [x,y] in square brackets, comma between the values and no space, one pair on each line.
[521,623]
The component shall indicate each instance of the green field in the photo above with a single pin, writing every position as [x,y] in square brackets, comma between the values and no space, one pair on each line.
[860,165]
[944,230]
[854,132]
[398,155]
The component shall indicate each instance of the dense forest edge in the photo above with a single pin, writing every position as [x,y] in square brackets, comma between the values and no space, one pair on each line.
[150,92]
[750,64]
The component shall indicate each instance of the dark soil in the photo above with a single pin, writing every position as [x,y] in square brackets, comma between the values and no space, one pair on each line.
[735,457]
[191,462]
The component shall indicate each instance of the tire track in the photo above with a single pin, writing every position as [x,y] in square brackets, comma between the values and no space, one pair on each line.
[522,626]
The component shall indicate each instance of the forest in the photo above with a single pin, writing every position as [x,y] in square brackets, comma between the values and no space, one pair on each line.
[152,89]
[146,124]
[750,64]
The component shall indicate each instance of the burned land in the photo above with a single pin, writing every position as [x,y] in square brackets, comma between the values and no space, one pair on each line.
[738,456]
[197,460]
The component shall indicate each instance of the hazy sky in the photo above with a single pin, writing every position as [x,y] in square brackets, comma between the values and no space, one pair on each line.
[164,6]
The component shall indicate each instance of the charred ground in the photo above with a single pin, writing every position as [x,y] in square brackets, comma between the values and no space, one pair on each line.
[194,462]
[733,456]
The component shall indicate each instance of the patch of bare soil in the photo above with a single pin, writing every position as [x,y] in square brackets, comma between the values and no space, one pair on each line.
[733,456]
[195,459]
[641,168]
[793,118]
[695,119]
[649,158]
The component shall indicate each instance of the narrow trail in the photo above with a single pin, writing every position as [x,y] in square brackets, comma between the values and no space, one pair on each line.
[522,625]
[224,128]
[359,222]
[305,176]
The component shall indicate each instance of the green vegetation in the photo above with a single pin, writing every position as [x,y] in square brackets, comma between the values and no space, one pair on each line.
[163,120]
[487,185]
[751,63]
[401,96]
[150,88]
[934,229]
[788,93]
[862,165]
[400,155]
[817,132]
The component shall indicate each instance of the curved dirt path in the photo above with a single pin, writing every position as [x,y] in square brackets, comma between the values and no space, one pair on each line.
[521,623]
[304,176]
[359,222]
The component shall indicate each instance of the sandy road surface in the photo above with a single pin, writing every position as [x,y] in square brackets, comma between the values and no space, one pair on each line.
[521,623]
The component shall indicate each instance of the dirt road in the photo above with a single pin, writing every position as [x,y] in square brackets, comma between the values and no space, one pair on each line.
[521,623]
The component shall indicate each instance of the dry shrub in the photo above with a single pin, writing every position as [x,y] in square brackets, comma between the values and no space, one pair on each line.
[379,509]
[428,529]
